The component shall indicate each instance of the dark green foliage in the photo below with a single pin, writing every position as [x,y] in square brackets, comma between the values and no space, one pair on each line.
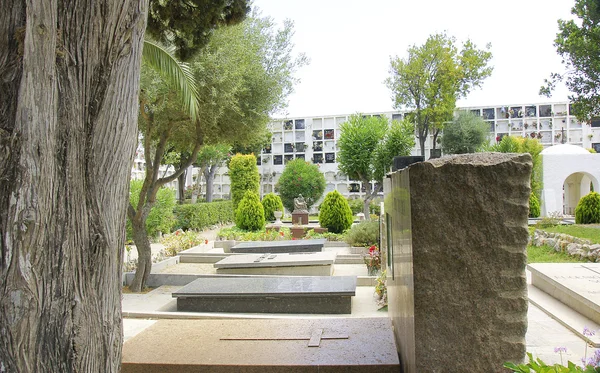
[188,24]
[534,206]
[244,176]
[271,203]
[335,213]
[356,205]
[577,44]
[250,214]
[366,233]
[467,133]
[300,177]
[161,218]
[200,215]
[588,209]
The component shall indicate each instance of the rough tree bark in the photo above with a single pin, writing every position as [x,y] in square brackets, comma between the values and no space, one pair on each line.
[209,176]
[181,187]
[68,112]
[139,214]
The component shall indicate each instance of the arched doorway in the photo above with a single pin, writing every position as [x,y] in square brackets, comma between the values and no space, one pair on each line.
[575,186]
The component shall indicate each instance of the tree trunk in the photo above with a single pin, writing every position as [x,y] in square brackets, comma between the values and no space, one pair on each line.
[209,176]
[68,114]
[144,264]
[367,201]
[422,140]
[181,187]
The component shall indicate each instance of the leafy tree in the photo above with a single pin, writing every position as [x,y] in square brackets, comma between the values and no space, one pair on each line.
[189,24]
[335,213]
[210,158]
[578,43]
[68,110]
[300,177]
[368,146]
[433,76]
[271,203]
[242,74]
[161,217]
[243,174]
[467,133]
[515,144]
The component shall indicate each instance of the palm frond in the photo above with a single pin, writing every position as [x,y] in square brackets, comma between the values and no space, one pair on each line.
[178,75]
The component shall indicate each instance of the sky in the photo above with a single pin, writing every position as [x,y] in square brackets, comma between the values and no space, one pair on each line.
[350,43]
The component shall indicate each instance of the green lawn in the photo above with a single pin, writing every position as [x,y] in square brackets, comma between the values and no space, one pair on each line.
[546,254]
[589,232]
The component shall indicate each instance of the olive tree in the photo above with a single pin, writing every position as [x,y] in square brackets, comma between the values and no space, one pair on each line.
[432,77]
[368,145]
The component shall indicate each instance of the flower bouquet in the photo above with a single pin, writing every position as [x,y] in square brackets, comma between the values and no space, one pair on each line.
[373,260]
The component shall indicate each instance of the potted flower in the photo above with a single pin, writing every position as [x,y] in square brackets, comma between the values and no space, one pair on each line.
[373,260]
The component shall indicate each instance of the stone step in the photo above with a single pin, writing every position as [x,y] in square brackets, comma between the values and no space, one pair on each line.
[565,315]
[570,293]
[575,284]
[267,345]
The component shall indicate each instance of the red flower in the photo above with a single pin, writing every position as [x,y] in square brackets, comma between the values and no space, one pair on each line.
[281,234]
[177,233]
[372,249]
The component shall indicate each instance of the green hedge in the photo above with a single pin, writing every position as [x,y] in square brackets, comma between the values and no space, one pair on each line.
[200,215]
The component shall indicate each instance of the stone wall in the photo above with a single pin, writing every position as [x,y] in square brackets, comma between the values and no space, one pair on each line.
[574,246]
[456,233]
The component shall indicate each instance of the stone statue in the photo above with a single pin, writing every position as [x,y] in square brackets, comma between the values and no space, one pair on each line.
[300,204]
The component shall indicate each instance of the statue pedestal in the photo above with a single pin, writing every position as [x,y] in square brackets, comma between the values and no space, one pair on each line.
[299,217]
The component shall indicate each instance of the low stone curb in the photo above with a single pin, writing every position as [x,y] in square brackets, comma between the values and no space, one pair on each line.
[573,246]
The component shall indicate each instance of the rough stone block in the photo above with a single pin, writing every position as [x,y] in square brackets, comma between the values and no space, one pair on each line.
[456,232]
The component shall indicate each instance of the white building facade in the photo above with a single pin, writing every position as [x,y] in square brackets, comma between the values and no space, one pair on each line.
[315,140]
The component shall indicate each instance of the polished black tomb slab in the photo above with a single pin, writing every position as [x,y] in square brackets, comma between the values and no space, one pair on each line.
[296,294]
[286,246]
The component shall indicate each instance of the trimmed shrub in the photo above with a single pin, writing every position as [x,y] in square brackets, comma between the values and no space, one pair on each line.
[271,203]
[300,177]
[534,206]
[250,214]
[335,213]
[161,218]
[366,233]
[356,205]
[243,175]
[201,215]
[588,209]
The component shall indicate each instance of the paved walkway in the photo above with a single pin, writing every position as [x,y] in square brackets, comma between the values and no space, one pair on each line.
[544,334]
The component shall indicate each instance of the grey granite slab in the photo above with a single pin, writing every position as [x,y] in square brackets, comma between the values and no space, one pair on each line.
[313,295]
[280,286]
[286,246]
[277,260]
